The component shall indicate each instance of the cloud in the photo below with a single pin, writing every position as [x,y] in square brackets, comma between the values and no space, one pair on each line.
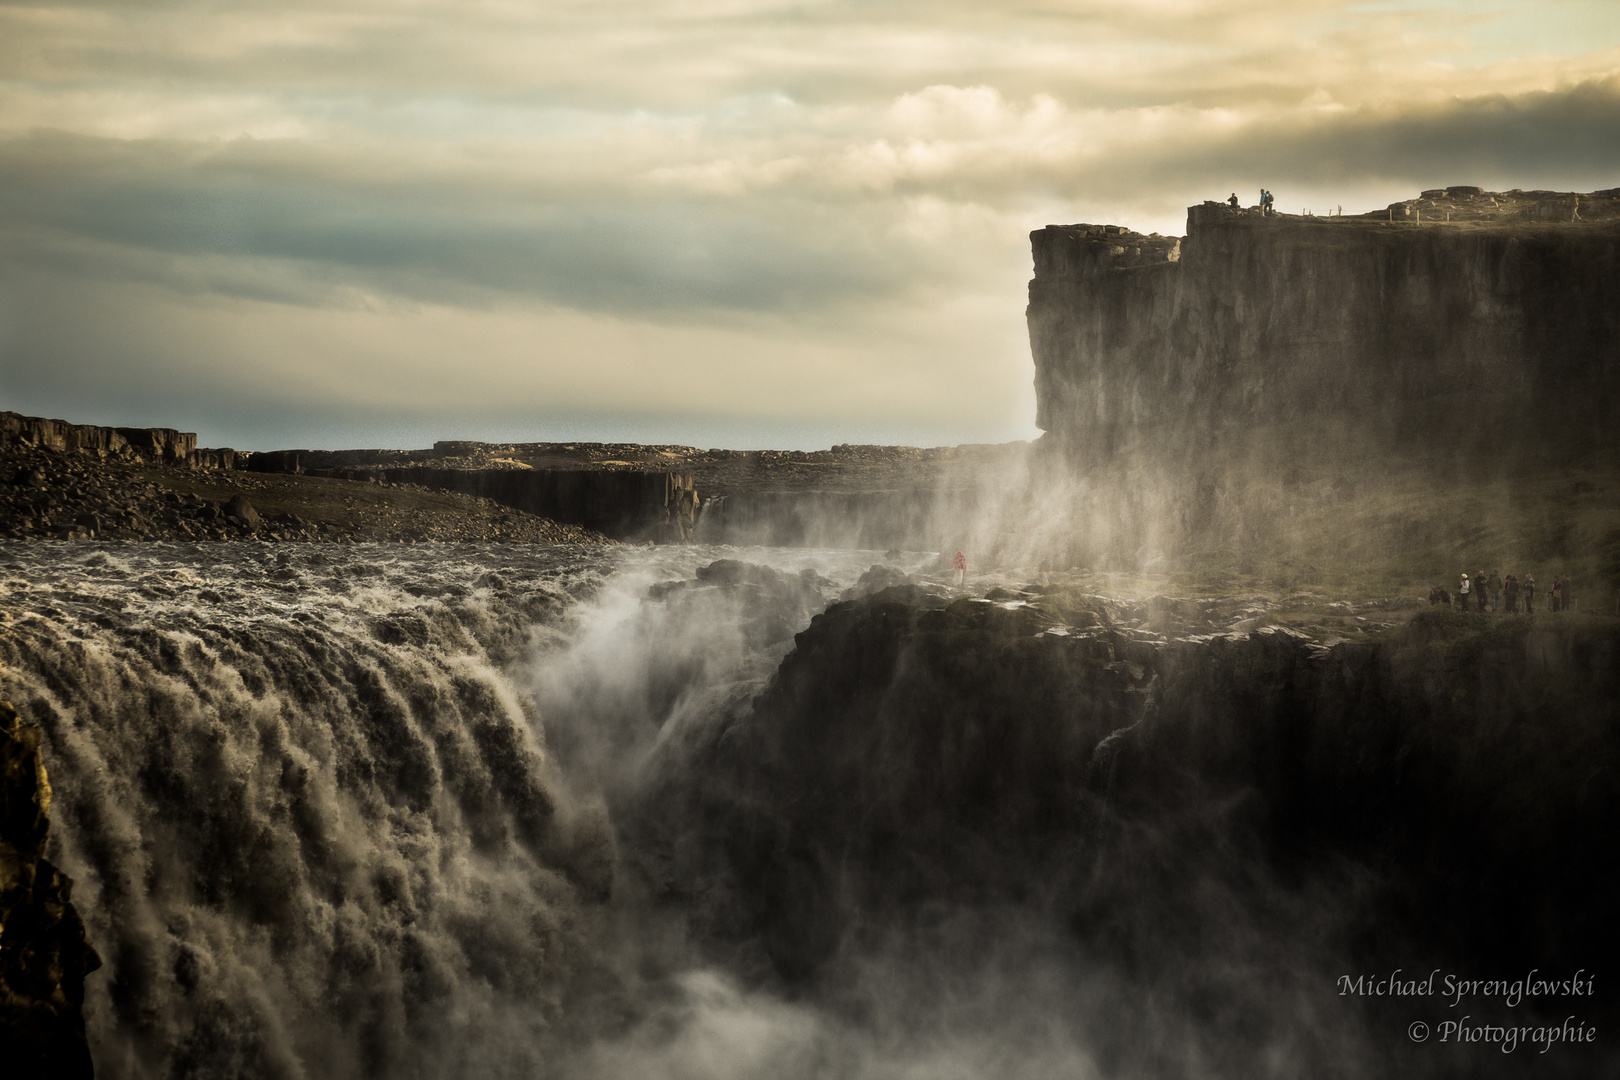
[244,224]
[788,174]
[797,222]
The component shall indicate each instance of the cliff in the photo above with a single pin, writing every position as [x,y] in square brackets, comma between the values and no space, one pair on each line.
[1220,825]
[623,504]
[163,445]
[44,956]
[1468,320]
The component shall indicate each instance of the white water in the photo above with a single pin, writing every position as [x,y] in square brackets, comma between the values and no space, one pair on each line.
[341,811]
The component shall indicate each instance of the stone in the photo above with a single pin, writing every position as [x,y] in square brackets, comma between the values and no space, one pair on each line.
[44,956]
[242,510]
[875,580]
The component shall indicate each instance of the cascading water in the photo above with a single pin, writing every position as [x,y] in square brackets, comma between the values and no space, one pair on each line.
[340,811]
[392,811]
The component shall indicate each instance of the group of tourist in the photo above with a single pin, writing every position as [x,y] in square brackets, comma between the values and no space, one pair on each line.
[1492,593]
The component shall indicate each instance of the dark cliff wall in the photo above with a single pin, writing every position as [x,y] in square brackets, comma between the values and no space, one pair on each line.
[44,956]
[1224,824]
[917,519]
[622,504]
[1493,330]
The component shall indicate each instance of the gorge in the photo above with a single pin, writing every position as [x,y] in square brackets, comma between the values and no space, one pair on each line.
[1183,757]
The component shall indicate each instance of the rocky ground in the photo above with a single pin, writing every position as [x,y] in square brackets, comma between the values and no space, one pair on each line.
[1154,611]
[45,494]
[846,467]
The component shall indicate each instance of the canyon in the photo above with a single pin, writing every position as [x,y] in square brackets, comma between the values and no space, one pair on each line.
[1182,749]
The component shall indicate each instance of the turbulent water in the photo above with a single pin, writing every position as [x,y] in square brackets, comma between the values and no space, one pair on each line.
[399,811]
[345,811]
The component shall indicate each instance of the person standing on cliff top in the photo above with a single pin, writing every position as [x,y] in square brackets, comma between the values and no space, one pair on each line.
[1233,201]
[1495,585]
[1510,593]
[1481,595]
[1462,592]
[959,561]
[1529,594]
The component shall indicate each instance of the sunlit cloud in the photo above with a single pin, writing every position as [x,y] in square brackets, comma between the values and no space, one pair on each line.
[810,205]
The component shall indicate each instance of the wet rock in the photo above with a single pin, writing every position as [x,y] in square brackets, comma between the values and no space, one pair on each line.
[1200,816]
[776,603]
[875,580]
[44,956]
[737,572]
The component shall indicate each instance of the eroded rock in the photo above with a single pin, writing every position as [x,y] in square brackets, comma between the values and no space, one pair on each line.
[44,956]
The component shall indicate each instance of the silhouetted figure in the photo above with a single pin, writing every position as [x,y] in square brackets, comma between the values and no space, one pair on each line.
[1529,594]
[1481,594]
[1463,588]
[1510,593]
[1495,585]
[1233,201]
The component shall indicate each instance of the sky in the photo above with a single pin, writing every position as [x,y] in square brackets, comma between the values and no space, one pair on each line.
[736,223]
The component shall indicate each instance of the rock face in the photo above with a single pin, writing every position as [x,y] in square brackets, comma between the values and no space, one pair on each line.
[625,505]
[1225,823]
[151,444]
[1477,320]
[44,956]
[915,519]
[158,445]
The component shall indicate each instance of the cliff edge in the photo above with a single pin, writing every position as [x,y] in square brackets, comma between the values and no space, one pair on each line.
[1464,320]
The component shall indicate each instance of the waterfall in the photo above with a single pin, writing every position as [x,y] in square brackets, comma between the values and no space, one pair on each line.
[314,827]
[316,822]
[392,811]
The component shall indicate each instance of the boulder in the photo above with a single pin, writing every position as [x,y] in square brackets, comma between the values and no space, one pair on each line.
[875,580]
[242,510]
